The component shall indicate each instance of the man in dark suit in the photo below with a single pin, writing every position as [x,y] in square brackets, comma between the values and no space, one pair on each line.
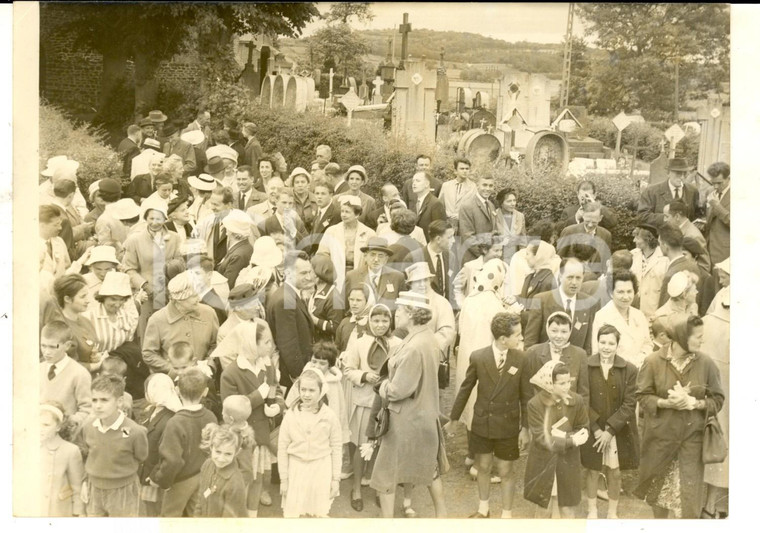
[145,184]
[427,206]
[500,421]
[384,281]
[573,214]
[288,317]
[390,195]
[327,215]
[129,147]
[718,225]
[285,220]
[246,195]
[336,177]
[175,145]
[654,198]
[567,297]
[671,245]
[596,240]
[239,249]
[437,254]
[407,194]
[478,216]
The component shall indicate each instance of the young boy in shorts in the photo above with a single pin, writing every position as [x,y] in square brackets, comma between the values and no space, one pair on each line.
[180,457]
[115,447]
[500,422]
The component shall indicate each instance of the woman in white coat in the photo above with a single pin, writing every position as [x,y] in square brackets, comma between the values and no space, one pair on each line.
[343,242]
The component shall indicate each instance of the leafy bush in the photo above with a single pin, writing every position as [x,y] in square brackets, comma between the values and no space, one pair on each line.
[79,141]
[117,110]
[649,137]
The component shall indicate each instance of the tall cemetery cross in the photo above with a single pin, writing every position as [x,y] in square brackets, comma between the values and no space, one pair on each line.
[404,30]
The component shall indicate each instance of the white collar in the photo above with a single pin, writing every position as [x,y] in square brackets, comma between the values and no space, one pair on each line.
[673,188]
[485,202]
[295,289]
[244,364]
[60,365]
[434,254]
[497,352]
[115,426]
[565,297]
[421,196]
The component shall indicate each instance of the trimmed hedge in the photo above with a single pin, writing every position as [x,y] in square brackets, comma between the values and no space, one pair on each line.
[59,135]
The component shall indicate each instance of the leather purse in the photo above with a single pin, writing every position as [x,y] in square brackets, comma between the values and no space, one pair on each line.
[714,449]
[444,372]
[382,420]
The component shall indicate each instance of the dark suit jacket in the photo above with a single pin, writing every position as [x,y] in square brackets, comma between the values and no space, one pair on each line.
[609,218]
[390,283]
[549,302]
[186,151]
[718,229]
[272,225]
[431,209]
[252,152]
[677,266]
[575,359]
[291,325]
[140,188]
[127,150]
[342,187]
[402,253]
[475,219]
[372,216]
[410,199]
[501,404]
[215,302]
[654,198]
[538,282]
[330,218]
[575,236]
[238,257]
[254,197]
[423,254]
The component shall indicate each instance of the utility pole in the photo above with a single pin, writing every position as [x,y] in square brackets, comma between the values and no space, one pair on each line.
[564,96]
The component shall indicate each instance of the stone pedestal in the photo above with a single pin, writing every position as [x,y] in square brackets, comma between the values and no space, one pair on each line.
[414,105]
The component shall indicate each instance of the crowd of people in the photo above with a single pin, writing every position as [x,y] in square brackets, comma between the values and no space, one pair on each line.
[214,328]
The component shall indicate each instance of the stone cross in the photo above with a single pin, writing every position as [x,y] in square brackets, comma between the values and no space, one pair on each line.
[377,96]
[404,30]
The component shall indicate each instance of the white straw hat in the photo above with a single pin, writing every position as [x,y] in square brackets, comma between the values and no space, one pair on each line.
[194,137]
[203,182]
[237,222]
[102,254]
[125,209]
[413,299]
[115,284]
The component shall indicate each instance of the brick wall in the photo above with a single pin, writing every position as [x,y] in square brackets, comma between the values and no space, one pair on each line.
[72,78]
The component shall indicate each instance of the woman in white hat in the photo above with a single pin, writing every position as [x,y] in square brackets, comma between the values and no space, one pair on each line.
[442,324]
[343,242]
[146,252]
[201,187]
[682,290]
[112,227]
[239,249]
[356,177]
[305,203]
[101,261]
[266,260]
[411,391]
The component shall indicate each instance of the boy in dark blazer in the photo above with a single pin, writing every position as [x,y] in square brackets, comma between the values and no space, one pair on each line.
[500,420]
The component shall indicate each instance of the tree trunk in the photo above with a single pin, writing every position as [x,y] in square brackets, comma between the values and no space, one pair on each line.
[146,85]
[114,70]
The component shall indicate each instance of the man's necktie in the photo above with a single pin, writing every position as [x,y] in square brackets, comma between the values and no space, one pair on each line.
[51,372]
[502,360]
[241,202]
[678,193]
[459,190]
[50,248]
[439,277]
[569,308]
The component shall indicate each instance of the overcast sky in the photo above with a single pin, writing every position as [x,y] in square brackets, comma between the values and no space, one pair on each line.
[542,23]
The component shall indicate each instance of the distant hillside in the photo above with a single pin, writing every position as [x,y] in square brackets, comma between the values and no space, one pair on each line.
[460,49]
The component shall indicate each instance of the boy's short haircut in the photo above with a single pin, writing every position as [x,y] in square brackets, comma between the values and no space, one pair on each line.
[192,382]
[559,319]
[163,179]
[238,407]
[63,188]
[113,385]
[559,369]
[114,365]
[58,330]
[658,326]
[325,350]
[326,184]
[180,350]
[504,324]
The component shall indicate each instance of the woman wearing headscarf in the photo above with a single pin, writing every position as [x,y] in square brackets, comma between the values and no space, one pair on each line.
[678,388]
[683,291]
[539,256]
[558,422]
[716,343]
[161,394]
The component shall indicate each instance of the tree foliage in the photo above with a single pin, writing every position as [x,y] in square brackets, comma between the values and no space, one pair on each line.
[343,11]
[341,46]
[644,42]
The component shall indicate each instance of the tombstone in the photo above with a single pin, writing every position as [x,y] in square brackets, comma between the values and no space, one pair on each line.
[364,91]
[377,95]
[249,77]
[529,93]
[267,88]
[414,104]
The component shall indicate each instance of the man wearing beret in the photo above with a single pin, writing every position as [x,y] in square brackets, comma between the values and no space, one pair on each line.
[654,198]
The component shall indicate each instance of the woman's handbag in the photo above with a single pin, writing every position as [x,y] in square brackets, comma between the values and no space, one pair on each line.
[382,420]
[444,372]
[714,449]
